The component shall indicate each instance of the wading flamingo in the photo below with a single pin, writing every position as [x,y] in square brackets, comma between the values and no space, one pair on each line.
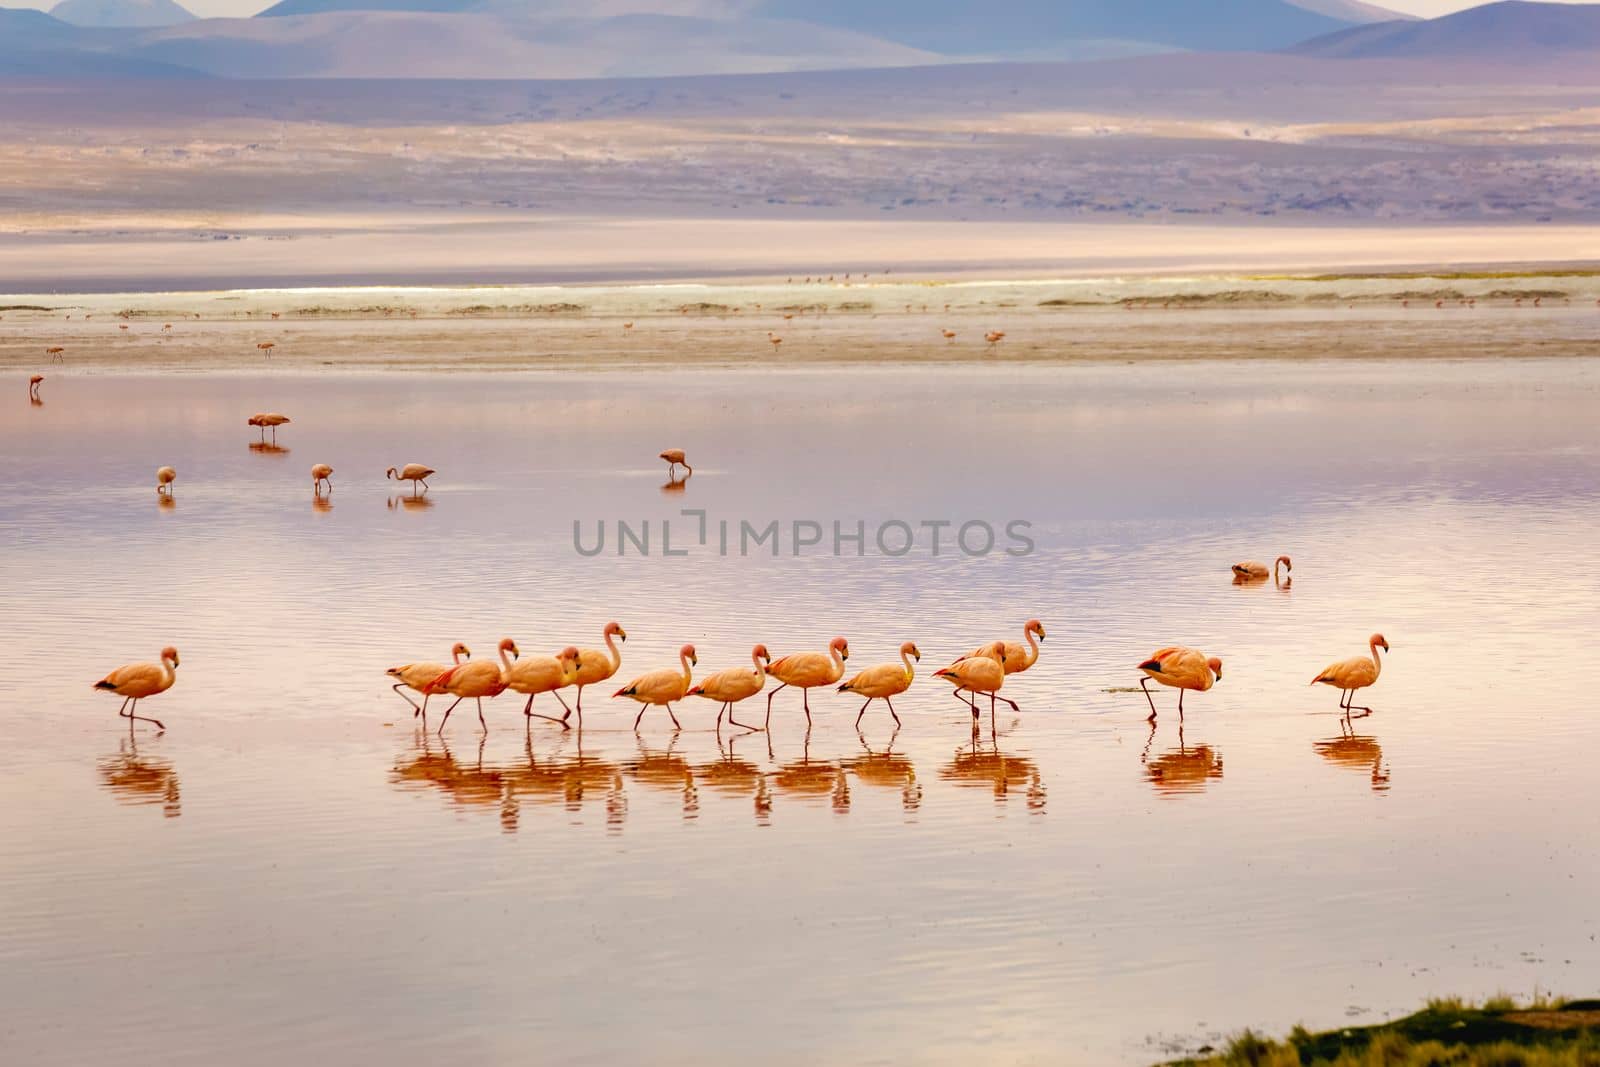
[994,337]
[884,681]
[1014,657]
[1181,668]
[33,385]
[136,681]
[320,473]
[164,479]
[544,674]
[806,671]
[674,458]
[974,675]
[419,676]
[55,354]
[478,679]
[413,473]
[732,686]
[1253,570]
[595,666]
[662,687]
[263,420]
[266,347]
[1358,672]
[949,335]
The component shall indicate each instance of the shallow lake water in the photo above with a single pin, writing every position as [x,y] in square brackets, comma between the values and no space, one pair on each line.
[295,868]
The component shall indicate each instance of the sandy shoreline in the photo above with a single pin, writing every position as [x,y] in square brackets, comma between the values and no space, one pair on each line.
[174,252]
[1033,337]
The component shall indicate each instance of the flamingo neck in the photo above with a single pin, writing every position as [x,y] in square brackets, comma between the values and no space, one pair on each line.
[1033,647]
[688,674]
[1377,663]
[1276,568]
[505,666]
[761,669]
[455,657]
[905,657]
[169,671]
[614,652]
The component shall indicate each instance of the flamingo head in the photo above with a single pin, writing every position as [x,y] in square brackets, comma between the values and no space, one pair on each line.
[760,652]
[1216,667]
[910,649]
[170,653]
[616,628]
[1378,641]
[687,652]
[1034,626]
[392,472]
[1288,564]
[841,646]
[508,645]
[569,657]
[459,651]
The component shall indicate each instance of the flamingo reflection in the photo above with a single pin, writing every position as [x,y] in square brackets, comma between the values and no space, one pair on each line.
[984,766]
[466,786]
[668,771]
[139,781]
[1356,752]
[561,778]
[734,776]
[410,503]
[269,448]
[887,770]
[1185,769]
[806,779]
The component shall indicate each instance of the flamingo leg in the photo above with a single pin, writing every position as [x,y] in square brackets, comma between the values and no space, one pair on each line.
[735,722]
[863,711]
[1180,709]
[528,712]
[805,702]
[720,713]
[675,723]
[447,712]
[1144,683]
[1013,703]
[640,717]
[398,687]
[770,695]
[480,714]
[892,715]
[133,718]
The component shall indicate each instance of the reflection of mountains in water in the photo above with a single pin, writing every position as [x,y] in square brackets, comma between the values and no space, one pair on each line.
[140,781]
[1358,754]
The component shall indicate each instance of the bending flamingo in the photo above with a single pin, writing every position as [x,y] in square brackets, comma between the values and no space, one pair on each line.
[1183,669]
[1254,570]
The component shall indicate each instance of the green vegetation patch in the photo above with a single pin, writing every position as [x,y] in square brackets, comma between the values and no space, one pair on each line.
[1447,1033]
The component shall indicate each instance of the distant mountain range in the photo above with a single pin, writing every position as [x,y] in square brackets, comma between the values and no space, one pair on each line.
[121,12]
[1512,28]
[547,39]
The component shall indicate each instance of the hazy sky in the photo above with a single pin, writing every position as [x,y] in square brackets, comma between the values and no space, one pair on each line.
[250,7]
